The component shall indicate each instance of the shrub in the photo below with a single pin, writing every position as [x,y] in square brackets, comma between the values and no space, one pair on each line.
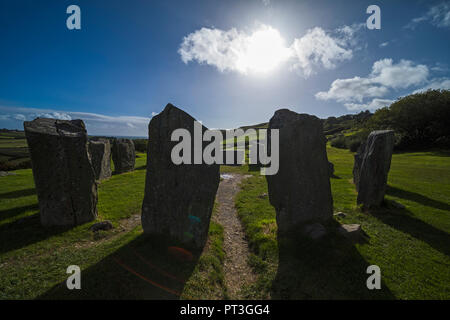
[339,142]
[419,120]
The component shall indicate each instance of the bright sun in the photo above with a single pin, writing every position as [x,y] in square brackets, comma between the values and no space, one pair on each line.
[265,50]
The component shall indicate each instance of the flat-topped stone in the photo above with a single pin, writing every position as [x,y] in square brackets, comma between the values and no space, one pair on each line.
[100,152]
[123,155]
[371,167]
[301,190]
[62,170]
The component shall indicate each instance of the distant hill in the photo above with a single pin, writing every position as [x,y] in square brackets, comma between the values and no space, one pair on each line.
[331,125]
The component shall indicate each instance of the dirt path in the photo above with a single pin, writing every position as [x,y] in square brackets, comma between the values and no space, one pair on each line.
[237,271]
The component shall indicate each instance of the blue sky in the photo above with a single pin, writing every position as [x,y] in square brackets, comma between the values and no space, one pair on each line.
[227,63]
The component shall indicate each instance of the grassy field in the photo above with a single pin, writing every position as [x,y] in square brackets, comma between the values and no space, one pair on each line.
[13,151]
[120,263]
[411,245]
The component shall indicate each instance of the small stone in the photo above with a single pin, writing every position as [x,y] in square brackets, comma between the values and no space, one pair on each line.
[351,231]
[263,195]
[7,173]
[103,225]
[314,231]
[340,215]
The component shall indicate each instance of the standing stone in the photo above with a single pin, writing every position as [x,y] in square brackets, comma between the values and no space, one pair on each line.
[178,199]
[62,170]
[301,190]
[123,155]
[100,152]
[371,167]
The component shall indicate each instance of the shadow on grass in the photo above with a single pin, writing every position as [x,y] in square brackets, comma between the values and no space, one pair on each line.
[142,269]
[10,213]
[330,268]
[18,193]
[25,231]
[416,197]
[403,220]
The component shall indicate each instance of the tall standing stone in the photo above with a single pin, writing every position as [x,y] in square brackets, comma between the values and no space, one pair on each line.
[371,167]
[301,190]
[123,155]
[178,199]
[62,170]
[100,152]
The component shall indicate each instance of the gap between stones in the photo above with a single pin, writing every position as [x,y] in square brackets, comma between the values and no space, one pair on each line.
[237,272]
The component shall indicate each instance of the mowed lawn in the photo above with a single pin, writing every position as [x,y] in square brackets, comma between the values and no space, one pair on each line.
[411,246]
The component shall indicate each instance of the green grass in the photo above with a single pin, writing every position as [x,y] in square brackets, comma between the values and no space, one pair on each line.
[411,246]
[13,151]
[33,258]
[207,279]
[121,263]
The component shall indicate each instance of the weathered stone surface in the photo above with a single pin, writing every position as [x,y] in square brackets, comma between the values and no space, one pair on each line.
[371,167]
[123,155]
[62,170]
[351,231]
[100,152]
[330,169]
[300,191]
[315,231]
[102,225]
[178,199]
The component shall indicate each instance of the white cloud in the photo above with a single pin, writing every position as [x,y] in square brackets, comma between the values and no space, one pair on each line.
[372,105]
[264,49]
[96,124]
[385,76]
[266,2]
[19,117]
[443,83]
[317,48]
[354,89]
[384,44]
[401,75]
[438,15]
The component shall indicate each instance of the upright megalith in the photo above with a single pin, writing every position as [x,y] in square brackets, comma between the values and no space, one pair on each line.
[371,167]
[179,198]
[301,190]
[100,152]
[62,170]
[123,155]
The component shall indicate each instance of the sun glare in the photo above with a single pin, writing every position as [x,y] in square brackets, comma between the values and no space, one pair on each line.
[264,52]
